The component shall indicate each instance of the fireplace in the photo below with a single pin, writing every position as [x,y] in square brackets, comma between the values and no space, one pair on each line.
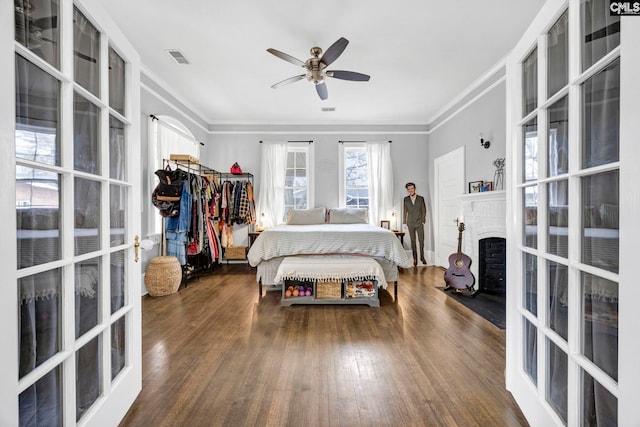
[492,268]
[485,238]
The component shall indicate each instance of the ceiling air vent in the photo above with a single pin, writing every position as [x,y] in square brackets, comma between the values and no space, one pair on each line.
[178,56]
[328,109]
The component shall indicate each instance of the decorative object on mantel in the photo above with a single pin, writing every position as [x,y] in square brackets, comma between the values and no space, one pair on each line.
[498,176]
[485,142]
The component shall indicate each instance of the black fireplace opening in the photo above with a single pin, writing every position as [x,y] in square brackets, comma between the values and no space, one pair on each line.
[492,265]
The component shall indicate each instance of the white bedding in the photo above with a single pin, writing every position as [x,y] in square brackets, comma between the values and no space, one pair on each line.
[328,239]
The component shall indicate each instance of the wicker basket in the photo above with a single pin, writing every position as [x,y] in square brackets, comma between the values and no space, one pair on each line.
[329,290]
[163,276]
[235,252]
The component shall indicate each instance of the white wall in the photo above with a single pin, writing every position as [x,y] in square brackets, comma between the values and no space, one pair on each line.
[482,110]
[408,153]
[155,100]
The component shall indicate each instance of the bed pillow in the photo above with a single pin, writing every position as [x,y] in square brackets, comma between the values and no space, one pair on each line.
[348,216]
[306,216]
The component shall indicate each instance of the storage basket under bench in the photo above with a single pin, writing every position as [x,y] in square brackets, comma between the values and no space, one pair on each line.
[330,280]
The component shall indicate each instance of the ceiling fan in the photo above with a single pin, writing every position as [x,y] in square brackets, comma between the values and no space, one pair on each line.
[316,67]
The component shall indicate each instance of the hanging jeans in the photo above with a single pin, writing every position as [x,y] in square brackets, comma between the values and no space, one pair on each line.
[177,227]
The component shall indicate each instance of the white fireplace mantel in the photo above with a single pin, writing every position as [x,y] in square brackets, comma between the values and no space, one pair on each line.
[484,215]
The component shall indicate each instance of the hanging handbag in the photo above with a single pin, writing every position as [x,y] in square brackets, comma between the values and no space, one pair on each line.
[235,169]
[169,189]
[166,196]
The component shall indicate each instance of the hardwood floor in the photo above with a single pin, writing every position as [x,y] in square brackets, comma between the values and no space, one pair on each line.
[215,355]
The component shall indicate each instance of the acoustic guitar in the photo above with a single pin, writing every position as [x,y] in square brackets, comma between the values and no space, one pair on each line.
[458,276]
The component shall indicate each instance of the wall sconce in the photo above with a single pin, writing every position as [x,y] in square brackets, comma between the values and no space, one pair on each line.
[485,142]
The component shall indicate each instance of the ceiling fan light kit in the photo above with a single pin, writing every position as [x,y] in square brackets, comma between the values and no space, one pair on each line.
[316,67]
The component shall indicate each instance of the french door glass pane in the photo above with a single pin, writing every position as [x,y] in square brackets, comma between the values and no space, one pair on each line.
[600,234]
[86,143]
[558,138]
[117,280]
[117,210]
[116,81]
[87,291]
[600,323]
[558,218]
[37,216]
[530,138]
[557,380]
[557,51]
[117,150]
[37,29]
[39,307]
[600,32]
[530,350]
[118,346]
[530,83]
[600,408]
[530,297]
[37,114]
[86,53]
[601,117]
[87,215]
[41,403]
[291,160]
[530,209]
[88,375]
[558,313]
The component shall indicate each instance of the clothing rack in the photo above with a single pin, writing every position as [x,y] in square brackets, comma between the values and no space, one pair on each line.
[206,230]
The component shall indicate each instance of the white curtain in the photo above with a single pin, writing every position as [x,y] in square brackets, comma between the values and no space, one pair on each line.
[166,139]
[380,181]
[270,206]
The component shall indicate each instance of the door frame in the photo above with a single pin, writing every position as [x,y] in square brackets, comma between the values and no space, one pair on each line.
[459,154]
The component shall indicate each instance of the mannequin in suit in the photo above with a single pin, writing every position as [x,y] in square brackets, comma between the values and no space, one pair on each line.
[415,215]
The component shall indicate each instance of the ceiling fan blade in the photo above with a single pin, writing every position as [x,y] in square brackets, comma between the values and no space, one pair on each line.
[288,58]
[348,75]
[288,81]
[321,88]
[334,51]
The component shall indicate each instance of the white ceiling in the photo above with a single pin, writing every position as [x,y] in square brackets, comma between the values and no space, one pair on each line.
[421,54]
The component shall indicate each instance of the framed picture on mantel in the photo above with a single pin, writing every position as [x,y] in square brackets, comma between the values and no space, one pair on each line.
[486,186]
[475,186]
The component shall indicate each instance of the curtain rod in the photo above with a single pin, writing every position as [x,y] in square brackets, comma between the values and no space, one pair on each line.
[154,117]
[310,141]
[342,142]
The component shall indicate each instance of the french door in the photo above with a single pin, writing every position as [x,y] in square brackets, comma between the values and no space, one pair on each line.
[573,129]
[69,124]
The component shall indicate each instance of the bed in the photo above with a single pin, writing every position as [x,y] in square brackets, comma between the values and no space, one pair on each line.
[331,240]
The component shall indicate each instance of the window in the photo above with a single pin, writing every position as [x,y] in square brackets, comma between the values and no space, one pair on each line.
[297,186]
[354,188]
